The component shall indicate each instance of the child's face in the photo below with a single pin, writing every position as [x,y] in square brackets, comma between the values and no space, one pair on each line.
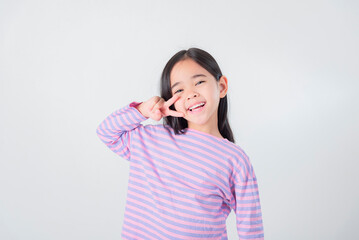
[194,84]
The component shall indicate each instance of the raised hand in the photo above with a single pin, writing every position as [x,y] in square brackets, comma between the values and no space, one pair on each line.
[156,108]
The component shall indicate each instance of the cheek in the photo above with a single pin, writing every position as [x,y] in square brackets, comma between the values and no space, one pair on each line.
[214,93]
[178,105]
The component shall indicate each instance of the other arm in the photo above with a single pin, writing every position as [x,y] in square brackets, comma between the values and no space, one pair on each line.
[246,204]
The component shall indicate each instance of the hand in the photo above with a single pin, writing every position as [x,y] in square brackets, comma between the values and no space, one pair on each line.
[156,108]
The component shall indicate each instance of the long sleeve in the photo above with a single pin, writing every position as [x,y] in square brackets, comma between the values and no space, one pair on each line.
[115,130]
[246,204]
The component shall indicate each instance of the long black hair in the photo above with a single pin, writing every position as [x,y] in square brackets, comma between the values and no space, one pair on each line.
[205,60]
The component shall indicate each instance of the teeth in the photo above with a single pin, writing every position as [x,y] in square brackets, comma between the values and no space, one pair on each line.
[197,105]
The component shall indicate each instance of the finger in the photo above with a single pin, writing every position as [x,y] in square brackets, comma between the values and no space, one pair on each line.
[175,113]
[158,108]
[154,101]
[156,115]
[159,104]
[158,112]
[170,101]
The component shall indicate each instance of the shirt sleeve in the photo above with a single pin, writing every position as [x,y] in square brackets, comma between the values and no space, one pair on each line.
[115,130]
[245,202]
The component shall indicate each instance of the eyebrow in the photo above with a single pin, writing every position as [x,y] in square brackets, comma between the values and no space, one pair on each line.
[193,77]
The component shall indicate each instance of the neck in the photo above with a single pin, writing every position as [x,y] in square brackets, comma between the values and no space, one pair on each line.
[212,130]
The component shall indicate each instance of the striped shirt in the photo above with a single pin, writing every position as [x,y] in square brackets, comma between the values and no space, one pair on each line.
[181,186]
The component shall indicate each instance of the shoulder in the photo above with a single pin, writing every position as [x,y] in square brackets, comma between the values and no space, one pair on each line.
[240,160]
[237,151]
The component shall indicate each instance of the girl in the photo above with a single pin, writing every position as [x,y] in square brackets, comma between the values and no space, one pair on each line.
[187,174]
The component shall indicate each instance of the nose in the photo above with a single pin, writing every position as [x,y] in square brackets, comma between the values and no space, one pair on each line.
[192,95]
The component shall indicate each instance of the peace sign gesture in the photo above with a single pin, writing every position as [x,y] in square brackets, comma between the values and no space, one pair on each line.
[156,108]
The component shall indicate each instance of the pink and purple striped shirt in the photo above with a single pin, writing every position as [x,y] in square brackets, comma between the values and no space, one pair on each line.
[181,186]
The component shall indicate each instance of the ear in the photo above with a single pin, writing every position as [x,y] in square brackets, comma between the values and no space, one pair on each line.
[223,86]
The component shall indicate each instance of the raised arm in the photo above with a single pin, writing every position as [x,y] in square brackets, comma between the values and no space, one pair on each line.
[115,129]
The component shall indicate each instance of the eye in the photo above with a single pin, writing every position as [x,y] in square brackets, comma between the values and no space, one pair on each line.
[178,91]
[200,82]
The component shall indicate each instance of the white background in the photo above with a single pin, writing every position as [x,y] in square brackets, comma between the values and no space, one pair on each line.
[292,69]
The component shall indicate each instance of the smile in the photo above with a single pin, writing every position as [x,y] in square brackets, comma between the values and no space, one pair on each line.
[196,108]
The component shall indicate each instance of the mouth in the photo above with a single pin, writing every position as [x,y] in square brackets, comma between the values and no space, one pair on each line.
[197,107]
